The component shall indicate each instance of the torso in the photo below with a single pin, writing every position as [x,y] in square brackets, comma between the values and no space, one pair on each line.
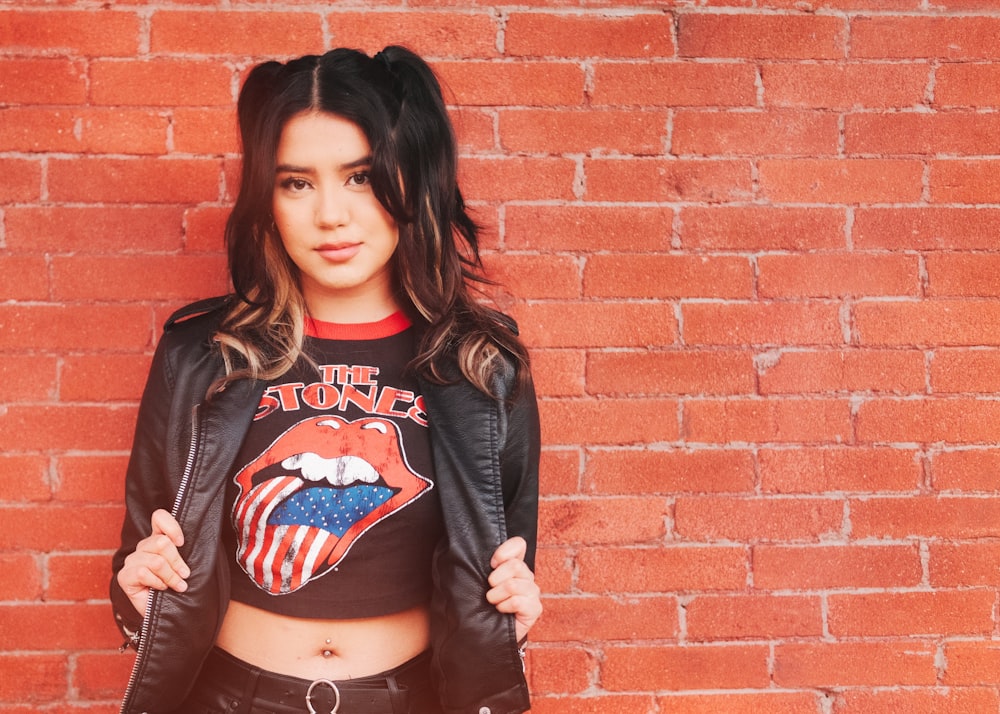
[327,649]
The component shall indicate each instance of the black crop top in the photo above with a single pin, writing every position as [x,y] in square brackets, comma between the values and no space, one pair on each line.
[332,501]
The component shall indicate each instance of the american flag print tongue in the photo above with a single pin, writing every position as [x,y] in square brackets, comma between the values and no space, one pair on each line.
[318,488]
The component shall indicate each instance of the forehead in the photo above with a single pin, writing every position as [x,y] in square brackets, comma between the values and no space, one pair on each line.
[319,138]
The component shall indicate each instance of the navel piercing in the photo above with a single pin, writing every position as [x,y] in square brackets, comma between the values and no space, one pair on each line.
[327,653]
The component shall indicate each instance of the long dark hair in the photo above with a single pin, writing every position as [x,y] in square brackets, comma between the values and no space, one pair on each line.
[396,100]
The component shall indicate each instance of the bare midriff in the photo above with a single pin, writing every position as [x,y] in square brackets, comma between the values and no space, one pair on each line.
[323,649]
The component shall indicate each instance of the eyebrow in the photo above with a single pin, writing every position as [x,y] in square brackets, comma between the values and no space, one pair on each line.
[292,169]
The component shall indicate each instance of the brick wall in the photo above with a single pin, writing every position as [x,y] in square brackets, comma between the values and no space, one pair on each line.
[752,243]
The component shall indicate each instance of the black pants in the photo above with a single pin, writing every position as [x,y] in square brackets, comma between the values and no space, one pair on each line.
[228,685]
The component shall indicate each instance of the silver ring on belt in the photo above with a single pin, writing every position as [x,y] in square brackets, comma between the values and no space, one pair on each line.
[331,685]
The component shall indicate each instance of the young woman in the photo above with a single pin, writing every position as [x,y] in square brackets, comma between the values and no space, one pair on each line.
[332,494]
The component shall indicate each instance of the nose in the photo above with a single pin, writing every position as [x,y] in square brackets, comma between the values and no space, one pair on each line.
[332,208]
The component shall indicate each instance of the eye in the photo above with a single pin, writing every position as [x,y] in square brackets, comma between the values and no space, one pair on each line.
[361,178]
[294,183]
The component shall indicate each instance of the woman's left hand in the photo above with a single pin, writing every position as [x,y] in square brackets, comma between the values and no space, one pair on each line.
[512,585]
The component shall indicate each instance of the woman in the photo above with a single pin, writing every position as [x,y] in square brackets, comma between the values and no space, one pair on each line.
[332,494]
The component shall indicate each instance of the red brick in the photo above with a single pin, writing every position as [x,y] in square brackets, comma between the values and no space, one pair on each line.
[827,567]
[35,129]
[949,612]
[731,617]
[589,618]
[674,84]
[572,35]
[512,83]
[841,180]
[101,675]
[139,277]
[602,520]
[845,86]
[517,178]
[926,228]
[429,34]
[474,130]
[963,274]
[755,520]
[839,469]
[911,37]
[42,81]
[129,131]
[670,569]
[667,276]
[223,32]
[855,370]
[79,229]
[761,36]
[813,5]
[591,704]
[204,228]
[558,373]
[966,84]
[926,516]
[762,228]
[959,420]
[928,323]
[838,275]
[965,181]
[678,667]
[22,181]
[138,180]
[30,677]
[966,470]
[669,471]
[918,701]
[91,478]
[50,528]
[587,228]
[762,323]
[959,565]
[25,277]
[755,133]
[920,133]
[763,421]
[671,372]
[68,327]
[560,670]
[96,32]
[38,428]
[748,702]
[27,378]
[971,663]
[161,82]
[528,277]
[579,131]
[103,377]
[847,664]
[609,421]
[205,131]
[77,577]
[24,478]
[597,324]
[639,179]
[56,627]
[22,579]
[554,569]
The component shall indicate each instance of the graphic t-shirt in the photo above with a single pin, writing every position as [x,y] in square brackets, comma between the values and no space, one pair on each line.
[332,504]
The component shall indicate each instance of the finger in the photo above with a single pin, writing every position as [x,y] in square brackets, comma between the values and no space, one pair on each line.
[511,549]
[166,524]
[509,570]
[152,570]
[513,588]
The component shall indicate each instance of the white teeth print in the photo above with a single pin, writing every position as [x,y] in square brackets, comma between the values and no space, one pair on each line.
[338,471]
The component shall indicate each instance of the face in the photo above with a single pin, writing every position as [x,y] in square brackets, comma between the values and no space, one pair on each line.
[331,225]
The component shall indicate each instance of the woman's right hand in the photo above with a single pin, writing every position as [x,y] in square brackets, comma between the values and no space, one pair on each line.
[156,563]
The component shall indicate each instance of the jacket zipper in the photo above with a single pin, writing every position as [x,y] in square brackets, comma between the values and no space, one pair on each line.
[151,597]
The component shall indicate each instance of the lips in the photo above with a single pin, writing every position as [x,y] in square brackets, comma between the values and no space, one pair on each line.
[318,488]
[339,252]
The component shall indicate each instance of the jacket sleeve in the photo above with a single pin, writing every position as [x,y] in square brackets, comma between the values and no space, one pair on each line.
[146,486]
[519,467]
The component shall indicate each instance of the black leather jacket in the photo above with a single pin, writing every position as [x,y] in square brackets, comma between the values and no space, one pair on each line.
[486,470]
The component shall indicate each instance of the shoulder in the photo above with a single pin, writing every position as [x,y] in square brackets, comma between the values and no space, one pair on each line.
[194,325]
[207,308]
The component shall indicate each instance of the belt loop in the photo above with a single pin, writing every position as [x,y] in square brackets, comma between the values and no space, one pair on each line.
[249,687]
[398,697]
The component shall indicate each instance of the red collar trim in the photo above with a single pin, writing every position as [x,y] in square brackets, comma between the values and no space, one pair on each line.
[386,327]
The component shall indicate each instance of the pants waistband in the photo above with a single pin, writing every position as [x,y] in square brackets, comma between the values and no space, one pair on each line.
[377,694]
